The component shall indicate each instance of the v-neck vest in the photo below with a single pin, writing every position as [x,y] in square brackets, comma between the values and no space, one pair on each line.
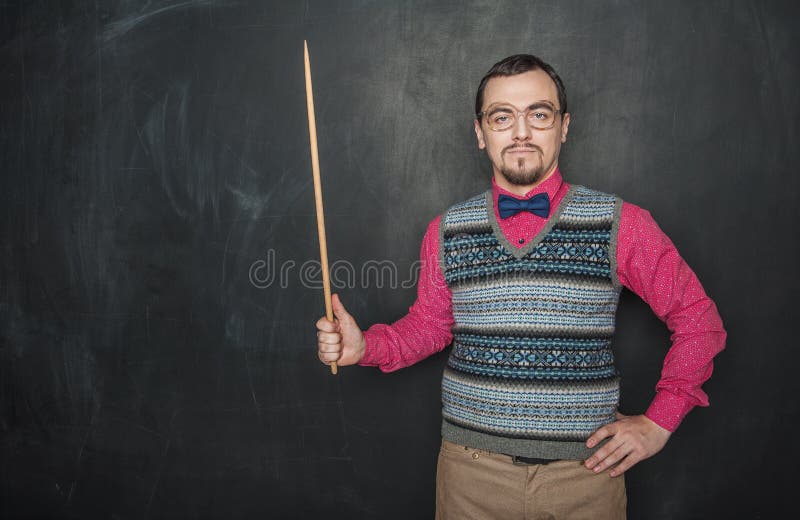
[531,371]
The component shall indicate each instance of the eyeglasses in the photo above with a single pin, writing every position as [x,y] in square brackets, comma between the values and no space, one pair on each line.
[502,116]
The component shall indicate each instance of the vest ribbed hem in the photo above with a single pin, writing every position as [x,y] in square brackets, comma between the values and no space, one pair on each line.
[555,450]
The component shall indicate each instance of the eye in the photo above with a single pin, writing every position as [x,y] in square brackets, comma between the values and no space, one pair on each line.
[541,115]
[501,118]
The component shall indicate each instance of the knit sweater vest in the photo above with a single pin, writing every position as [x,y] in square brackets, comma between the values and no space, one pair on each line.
[531,371]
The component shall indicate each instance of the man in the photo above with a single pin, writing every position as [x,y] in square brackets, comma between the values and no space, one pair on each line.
[525,281]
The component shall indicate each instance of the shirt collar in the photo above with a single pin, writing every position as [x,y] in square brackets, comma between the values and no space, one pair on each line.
[550,185]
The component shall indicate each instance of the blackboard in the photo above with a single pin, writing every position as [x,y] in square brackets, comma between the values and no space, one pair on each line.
[156,174]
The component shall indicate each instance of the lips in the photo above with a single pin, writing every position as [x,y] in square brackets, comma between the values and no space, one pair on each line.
[520,149]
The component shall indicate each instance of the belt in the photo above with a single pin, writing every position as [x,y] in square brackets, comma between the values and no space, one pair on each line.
[528,461]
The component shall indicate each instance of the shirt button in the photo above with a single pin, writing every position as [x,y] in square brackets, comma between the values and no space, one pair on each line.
[521,240]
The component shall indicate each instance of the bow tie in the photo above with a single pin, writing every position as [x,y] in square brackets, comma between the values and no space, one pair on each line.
[538,205]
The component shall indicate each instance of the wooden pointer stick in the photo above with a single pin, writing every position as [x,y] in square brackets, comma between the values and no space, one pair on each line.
[323,248]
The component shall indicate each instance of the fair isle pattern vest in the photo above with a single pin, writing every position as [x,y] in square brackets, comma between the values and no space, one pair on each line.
[531,371]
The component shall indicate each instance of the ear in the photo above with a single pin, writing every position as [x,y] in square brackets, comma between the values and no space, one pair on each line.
[564,127]
[479,135]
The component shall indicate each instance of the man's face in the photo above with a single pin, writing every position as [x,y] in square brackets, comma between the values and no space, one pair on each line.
[522,155]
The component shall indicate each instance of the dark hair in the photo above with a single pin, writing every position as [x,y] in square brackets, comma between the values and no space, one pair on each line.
[517,64]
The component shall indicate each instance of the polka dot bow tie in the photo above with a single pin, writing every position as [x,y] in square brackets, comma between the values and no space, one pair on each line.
[538,205]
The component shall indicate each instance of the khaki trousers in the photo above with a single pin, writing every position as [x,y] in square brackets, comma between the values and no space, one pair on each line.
[480,485]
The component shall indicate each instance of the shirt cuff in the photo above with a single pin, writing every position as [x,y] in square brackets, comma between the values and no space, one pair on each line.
[371,357]
[668,410]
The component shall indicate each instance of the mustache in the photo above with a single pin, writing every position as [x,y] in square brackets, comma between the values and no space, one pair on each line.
[523,146]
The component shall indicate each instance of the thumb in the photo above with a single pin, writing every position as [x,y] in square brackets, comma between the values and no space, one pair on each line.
[339,310]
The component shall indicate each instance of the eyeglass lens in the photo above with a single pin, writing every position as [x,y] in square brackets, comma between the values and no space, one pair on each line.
[503,117]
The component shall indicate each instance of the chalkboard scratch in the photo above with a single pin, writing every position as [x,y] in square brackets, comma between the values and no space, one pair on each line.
[99,63]
[342,420]
[80,454]
[140,426]
[263,310]
[225,258]
[770,60]
[123,26]
[358,428]
[250,382]
[108,316]
[249,202]
[158,475]
[25,91]
[78,464]
[691,24]
[340,405]
[55,308]
[675,110]
[346,459]
[237,157]
[135,126]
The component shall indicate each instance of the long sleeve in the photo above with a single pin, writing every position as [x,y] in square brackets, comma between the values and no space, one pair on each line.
[649,265]
[425,330]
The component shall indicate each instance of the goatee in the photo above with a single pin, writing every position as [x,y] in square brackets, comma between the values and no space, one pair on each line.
[522,176]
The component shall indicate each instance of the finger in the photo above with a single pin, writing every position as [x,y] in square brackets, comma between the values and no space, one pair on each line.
[330,338]
[325,348]
[329,347]
[626,464]
[611,459]
[328,357]
[603,452]
[606,431]
[338,308]
[619,415]
[325,325]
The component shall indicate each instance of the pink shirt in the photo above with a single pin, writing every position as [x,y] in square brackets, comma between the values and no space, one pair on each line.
[647,264]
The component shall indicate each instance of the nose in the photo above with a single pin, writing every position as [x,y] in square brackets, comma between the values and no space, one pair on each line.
[522,130]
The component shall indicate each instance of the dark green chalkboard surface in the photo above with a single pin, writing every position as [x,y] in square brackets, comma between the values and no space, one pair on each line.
[158,284]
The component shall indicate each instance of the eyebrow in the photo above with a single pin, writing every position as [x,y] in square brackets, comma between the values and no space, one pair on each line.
[540,104]
[500,108]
